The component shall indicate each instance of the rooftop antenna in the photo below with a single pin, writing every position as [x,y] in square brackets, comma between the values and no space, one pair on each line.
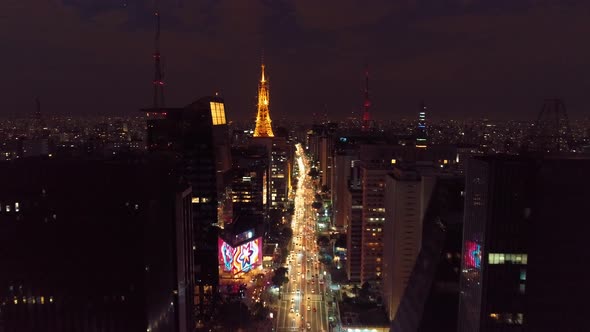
[366,123]
[37,109]
[551,132]
[158,81]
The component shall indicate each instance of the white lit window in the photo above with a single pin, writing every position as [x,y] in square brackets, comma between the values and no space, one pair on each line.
[501,258]
[16,207]
[195,200]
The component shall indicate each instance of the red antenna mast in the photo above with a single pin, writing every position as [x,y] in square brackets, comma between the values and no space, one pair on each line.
[158,81]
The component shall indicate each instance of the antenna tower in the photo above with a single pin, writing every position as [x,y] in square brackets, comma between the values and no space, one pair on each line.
[158,81]
[551,132]
[37,109]
[263,123]
[366,124]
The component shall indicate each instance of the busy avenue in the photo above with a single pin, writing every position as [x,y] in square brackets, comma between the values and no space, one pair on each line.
[302,304]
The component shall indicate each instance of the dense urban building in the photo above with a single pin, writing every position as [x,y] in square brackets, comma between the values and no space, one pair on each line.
[94,245]
[521,227]
[249,181]
[281,157]
[422,132]
[353,216]
[377,160]
[343,177]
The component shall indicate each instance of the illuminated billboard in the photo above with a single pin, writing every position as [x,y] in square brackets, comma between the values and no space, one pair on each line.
[472,255]
[242,258]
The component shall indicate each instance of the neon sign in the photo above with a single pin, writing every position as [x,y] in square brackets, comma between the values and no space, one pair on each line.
[242,258]
[472,255]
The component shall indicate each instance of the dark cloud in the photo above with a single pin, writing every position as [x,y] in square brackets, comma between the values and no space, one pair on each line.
[475,58]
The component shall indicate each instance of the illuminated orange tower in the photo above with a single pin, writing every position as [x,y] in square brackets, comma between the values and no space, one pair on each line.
[263,127]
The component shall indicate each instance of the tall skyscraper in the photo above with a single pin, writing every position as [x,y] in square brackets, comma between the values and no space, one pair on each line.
[341,180]
[407,193]
[353,216]
[431,293]
[421,137]
[373,185]
[524,234]
[250,171]
[281,154]
[263,123]
[196,136]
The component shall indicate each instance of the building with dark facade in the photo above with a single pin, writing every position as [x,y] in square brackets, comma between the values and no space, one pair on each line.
[281,160]
[249,180]
[94,246]
[407,194]
[197,137]
[429,301]
[353,216]
[524,237]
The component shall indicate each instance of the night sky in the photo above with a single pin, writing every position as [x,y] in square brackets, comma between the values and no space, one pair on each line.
[464,58]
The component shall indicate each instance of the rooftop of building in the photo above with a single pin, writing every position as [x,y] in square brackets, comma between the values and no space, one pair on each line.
[269,249]
[535,156]
[362,315]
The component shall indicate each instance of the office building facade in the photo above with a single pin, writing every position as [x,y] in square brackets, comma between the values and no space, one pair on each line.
[521,227]
[95,246]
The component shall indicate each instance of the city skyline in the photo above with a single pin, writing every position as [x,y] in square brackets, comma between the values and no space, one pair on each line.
[464,59]
[280,166]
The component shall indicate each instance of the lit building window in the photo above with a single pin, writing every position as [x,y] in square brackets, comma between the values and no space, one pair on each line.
[16,207]
[195,200]
[217,113]
[501,258]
